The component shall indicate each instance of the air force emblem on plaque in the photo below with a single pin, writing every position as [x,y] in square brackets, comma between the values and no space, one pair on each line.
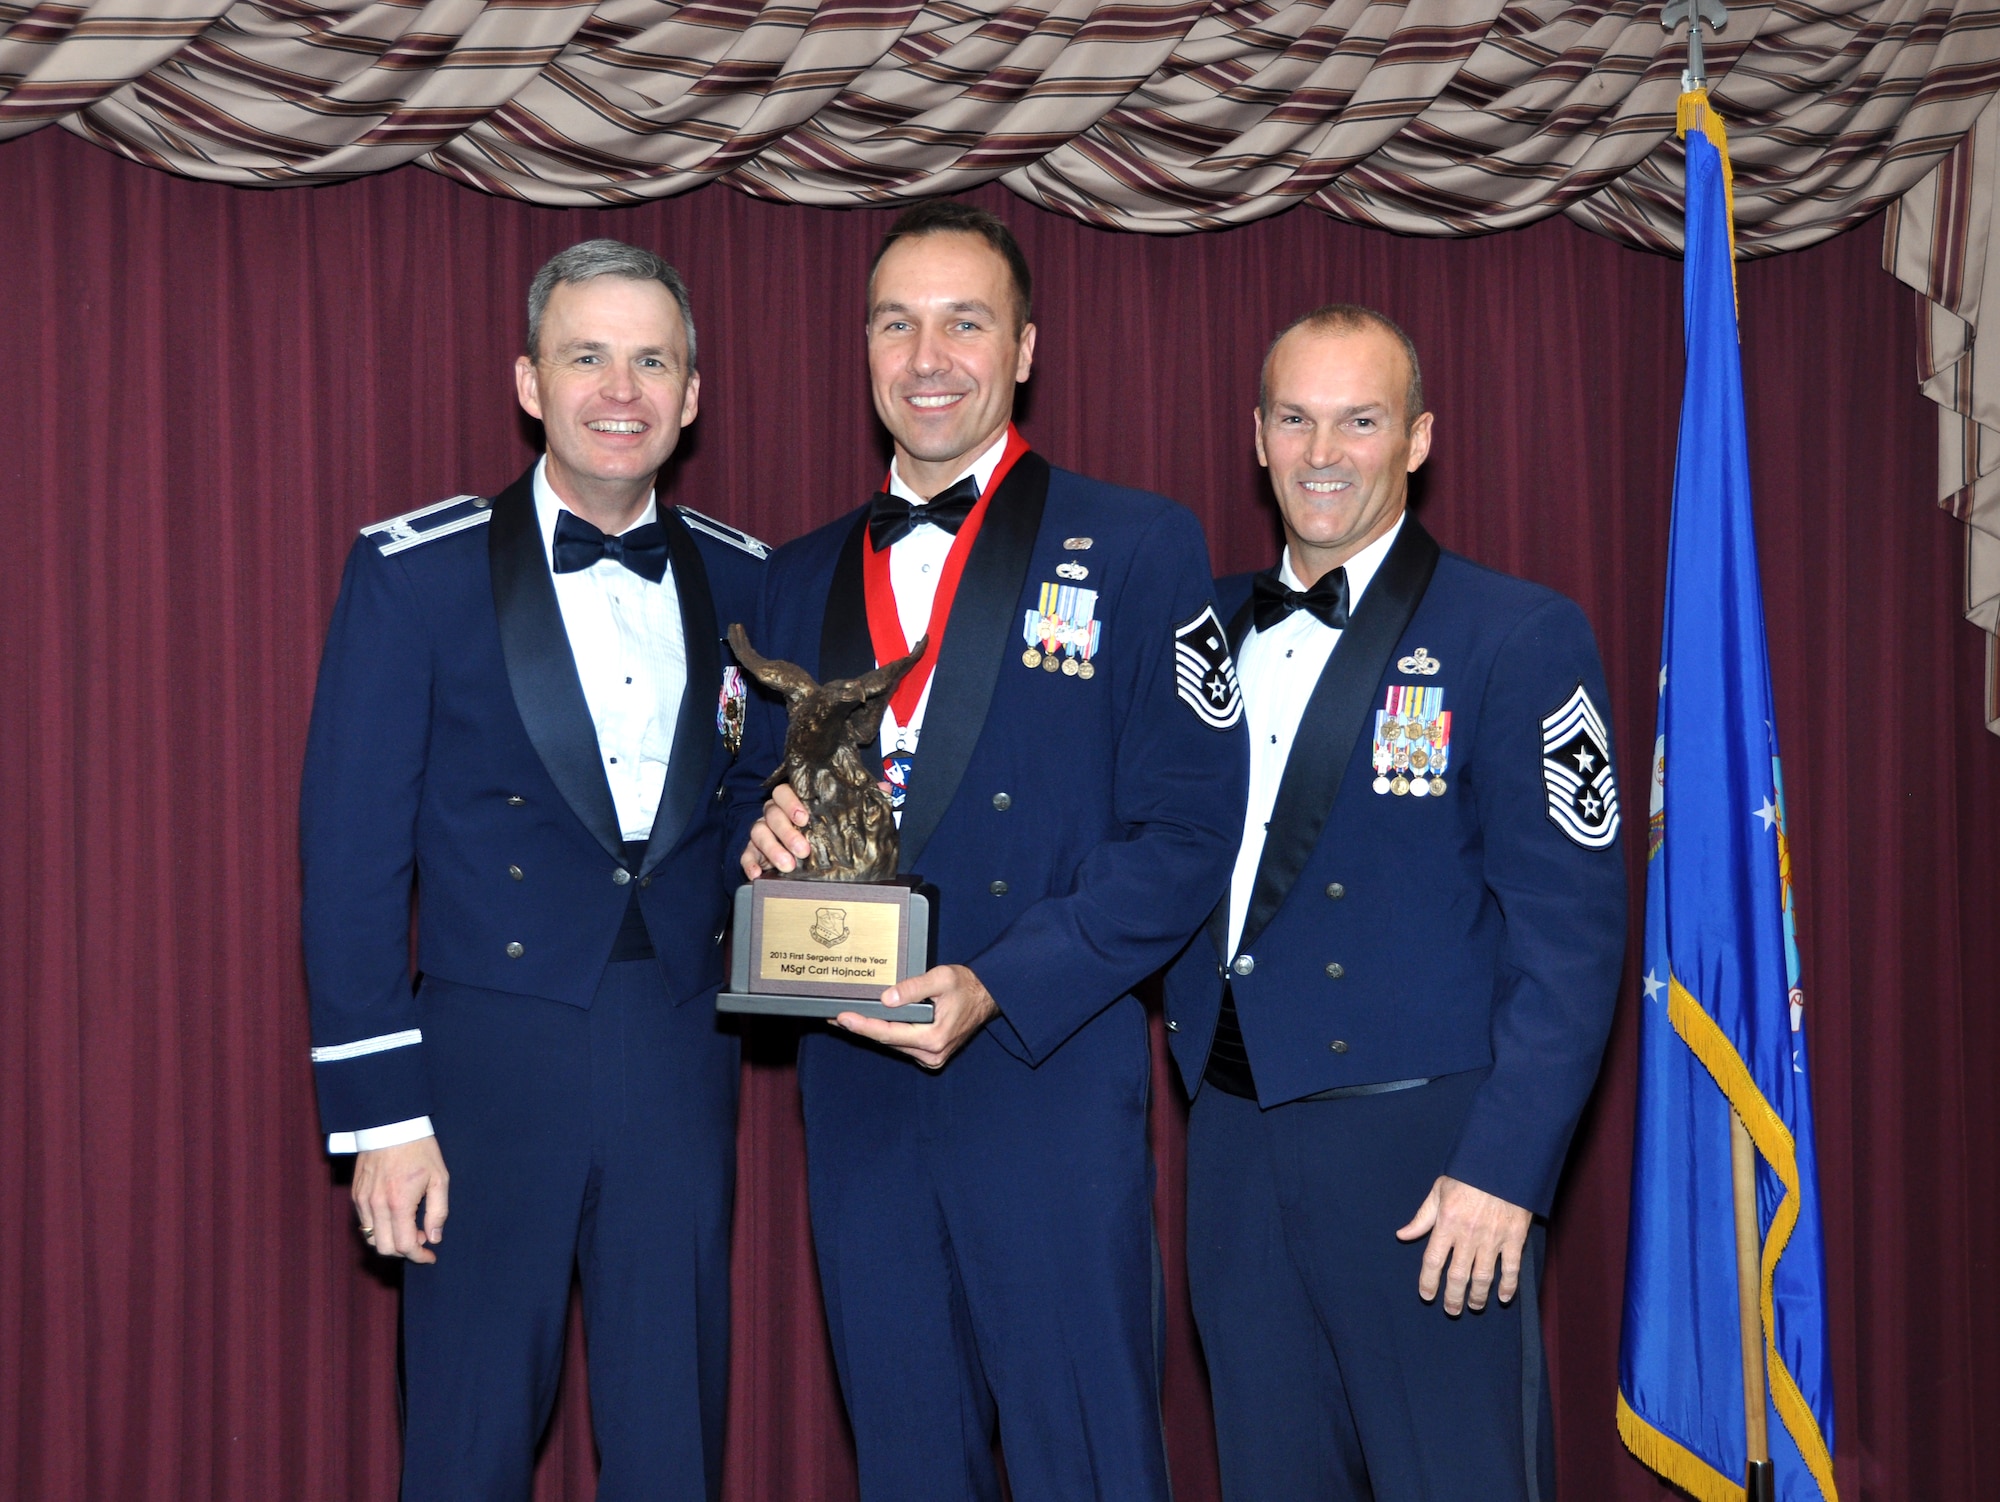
[1576,770]
[829,926]
[1204,672]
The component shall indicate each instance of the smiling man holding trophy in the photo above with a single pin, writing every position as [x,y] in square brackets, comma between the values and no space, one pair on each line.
[1066,762]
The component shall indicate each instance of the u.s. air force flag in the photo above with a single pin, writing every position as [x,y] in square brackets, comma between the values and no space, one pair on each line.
[1722,1022]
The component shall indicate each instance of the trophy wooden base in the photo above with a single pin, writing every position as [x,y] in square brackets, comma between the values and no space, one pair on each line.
[820,948]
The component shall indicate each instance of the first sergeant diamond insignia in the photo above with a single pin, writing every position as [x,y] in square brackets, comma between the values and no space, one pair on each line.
[1204,673]
[1576,771]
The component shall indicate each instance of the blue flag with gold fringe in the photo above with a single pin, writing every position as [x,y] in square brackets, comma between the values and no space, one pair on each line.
[1722,1020]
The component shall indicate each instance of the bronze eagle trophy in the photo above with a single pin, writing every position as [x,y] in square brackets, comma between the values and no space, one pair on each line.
[853,828]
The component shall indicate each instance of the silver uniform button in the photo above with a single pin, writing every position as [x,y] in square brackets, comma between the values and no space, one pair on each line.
[620,877]
[1336,891]
[1336,970]
[998,889]
[1173,1026]
[515,951]
[516,802]
[1244,964]
[1338,1045]
[1002,802]
[515,872]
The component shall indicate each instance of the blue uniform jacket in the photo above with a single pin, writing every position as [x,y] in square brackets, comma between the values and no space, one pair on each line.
[451,744]
[1395,937]
[1077,828]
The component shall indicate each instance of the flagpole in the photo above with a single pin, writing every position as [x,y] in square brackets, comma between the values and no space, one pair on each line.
[1758,1481]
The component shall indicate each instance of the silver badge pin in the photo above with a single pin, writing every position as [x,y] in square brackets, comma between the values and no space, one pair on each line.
[1076,544]
[1072,571]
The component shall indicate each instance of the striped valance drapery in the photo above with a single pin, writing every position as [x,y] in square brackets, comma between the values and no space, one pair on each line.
[1430,117]
[1443,117]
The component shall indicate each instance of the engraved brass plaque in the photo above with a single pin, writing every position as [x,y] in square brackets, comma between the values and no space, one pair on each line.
[835,938]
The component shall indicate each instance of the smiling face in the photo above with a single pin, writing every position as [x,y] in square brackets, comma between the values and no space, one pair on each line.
[945,351]
[613,390]
[1337,442]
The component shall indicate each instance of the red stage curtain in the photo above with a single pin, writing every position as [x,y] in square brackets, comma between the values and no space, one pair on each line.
[207,389]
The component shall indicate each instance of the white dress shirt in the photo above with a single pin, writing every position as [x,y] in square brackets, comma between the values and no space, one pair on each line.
[625,635]
[1278,670]
[916,562]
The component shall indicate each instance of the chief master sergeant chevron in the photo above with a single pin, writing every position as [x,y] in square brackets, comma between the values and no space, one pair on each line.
[1396,1015]
[525,705]
[1074,770]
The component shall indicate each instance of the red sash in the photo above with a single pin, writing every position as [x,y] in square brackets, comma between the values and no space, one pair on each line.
[885,625]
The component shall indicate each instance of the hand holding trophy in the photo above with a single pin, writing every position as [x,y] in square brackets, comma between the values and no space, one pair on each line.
[831,936]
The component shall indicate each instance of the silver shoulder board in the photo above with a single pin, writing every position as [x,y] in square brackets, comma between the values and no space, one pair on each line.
[724,532]
[427,523]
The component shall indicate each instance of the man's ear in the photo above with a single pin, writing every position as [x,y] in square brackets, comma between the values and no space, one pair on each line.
[1024,360]
[527,388]
[1420,443]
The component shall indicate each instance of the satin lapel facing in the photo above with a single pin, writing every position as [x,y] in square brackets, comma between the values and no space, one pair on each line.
[845,650]
[1333,719]
[977,641]
[541,669]
[694,729]
[1218,921]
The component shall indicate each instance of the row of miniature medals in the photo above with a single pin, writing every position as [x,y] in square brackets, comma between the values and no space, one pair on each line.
[1061,631]
[1412,741]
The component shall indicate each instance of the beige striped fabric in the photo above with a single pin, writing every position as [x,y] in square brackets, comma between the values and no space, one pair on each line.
[1939,239]
[1441,117]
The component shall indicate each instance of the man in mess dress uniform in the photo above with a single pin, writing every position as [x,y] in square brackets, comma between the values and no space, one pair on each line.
[525,707]
[1072,764]
[1397,1014]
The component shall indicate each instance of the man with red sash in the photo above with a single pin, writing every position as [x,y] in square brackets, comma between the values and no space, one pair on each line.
[1073,759]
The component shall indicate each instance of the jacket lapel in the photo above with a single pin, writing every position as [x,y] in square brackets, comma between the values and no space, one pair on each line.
[694,730]
[1218,921]
[845,648]
[975,645]
[540,667]
[1333,719]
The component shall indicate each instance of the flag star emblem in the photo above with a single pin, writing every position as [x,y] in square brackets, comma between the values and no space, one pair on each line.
[1585,761]
[1654,986]
[1592,805]
[1768,813]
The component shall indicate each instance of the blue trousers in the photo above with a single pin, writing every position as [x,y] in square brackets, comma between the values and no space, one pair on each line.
[1331,1378]
[599,1142]
[986,1251]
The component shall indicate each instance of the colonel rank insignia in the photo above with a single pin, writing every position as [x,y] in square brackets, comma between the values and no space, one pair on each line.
[1412,742]
[1060,631]
[1204,673]
[1576,770]
[729,710]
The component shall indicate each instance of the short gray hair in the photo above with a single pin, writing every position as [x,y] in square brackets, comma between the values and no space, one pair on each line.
[594,258]
[1349,318]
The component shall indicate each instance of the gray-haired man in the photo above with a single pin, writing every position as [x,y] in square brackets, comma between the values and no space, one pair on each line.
[525,704]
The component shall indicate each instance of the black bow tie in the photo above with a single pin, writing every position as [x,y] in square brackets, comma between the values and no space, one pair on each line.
[578,545]
[891,518]
[1271,602]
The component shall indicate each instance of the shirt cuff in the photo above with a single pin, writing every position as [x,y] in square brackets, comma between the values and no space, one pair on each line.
[368,1139]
